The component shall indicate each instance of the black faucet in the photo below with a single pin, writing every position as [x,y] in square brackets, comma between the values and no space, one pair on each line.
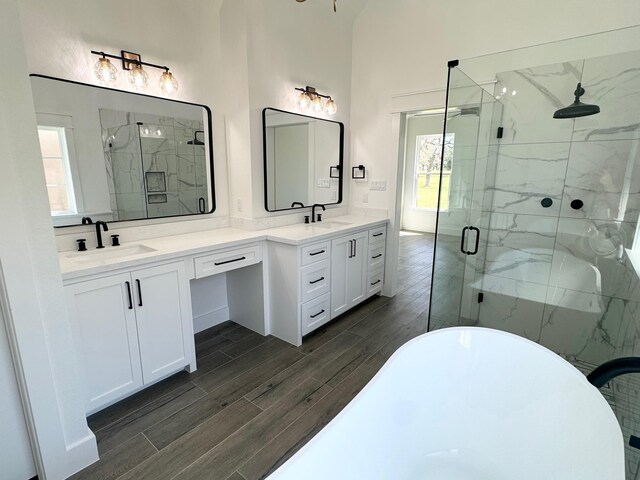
[297,203]
[87,221]
[613,368]
[313,211]
[99,233]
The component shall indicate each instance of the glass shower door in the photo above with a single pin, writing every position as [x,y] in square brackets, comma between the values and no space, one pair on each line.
[460,241]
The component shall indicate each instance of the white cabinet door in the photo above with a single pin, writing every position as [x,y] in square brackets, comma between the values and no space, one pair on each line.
[105,337]
[357,267]
[348,272]
[341,250]
[163,312]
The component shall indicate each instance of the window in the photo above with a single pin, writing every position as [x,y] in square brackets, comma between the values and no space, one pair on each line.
[427,177]
[57,170]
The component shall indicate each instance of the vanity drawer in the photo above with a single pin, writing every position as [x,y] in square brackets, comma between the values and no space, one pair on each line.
[316,252]
[378,235]
[314,280]
[228,260]
[315,313]
[376,257]
[375,281]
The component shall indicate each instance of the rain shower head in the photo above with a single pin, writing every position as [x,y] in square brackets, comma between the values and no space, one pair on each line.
[196,140]
[577,108]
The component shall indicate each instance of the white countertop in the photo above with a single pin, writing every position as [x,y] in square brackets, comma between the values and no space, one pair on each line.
[175,246]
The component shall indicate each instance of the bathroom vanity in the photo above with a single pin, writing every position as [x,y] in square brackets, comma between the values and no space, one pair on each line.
[131,305]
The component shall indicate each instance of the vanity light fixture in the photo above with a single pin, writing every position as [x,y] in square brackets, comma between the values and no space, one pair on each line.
[309,98]
[106,72]
[335,3]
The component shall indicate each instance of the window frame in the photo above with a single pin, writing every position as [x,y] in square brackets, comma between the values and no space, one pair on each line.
[414,201]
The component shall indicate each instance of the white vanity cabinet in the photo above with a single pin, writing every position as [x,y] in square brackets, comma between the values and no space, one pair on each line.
[310,285]
[130,330]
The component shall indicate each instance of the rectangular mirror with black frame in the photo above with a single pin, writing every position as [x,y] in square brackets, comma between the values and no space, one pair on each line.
[113,155]
[303,160]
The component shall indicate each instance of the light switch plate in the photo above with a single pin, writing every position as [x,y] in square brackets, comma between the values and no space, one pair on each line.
[379,185]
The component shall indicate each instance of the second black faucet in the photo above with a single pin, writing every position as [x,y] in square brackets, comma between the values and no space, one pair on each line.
[313,212]
[100,223]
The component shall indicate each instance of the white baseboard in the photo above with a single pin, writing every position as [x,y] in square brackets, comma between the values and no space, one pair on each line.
[210,319]
[82,453]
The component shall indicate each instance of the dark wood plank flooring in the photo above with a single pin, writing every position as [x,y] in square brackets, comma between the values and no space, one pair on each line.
[254,401]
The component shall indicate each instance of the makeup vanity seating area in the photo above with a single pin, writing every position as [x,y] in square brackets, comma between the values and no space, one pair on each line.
[131,305]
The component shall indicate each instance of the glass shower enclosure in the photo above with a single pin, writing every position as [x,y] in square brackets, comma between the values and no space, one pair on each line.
[540,234]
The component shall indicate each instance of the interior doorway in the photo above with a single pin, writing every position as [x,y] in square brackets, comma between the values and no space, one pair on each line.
[422,164]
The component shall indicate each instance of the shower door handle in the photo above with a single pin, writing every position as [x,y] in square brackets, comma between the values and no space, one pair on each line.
[463,237]
[201,205]
[475,247]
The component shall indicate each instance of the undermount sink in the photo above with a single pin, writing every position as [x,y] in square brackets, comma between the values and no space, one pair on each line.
[330,224]
[110,253]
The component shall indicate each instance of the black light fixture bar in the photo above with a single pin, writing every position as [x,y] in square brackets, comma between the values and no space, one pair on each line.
[131,60]
[312,91]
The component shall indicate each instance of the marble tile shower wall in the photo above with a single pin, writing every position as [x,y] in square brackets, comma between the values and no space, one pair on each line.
[559,275]
[152,170]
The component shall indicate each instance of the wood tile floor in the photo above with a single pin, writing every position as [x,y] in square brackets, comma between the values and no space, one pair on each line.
[254,401]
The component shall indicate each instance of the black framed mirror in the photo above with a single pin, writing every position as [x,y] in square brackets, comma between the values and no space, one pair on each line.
[113,155]
[303,160]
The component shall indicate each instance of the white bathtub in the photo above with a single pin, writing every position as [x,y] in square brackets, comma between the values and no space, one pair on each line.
[468,404]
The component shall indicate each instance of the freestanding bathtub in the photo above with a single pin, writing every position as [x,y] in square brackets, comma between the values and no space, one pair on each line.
[468,404]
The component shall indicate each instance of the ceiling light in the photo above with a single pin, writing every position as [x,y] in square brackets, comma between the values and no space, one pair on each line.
[105,71]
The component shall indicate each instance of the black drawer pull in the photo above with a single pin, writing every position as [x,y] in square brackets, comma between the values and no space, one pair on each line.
[230,261]
[376,282]
[316,281]
[377,256]
[313,254]
[129,295]
[378,234]
[319,313]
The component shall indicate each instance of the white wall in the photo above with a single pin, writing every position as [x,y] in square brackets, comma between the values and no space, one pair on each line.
[38,324]
[274,46]
[404,45]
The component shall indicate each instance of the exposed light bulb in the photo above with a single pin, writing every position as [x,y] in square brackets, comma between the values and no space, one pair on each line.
[105,71]
[330,107]
[138,77]
[504,89]
[168,83]
[513,92]
[316,104]
[304,101]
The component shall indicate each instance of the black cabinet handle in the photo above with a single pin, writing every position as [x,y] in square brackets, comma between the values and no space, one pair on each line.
[319,313]
[378,234]
[376,282]
[139,292]
[230,261]
[313,254]
[129,295]
[316,281]
[377,256]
